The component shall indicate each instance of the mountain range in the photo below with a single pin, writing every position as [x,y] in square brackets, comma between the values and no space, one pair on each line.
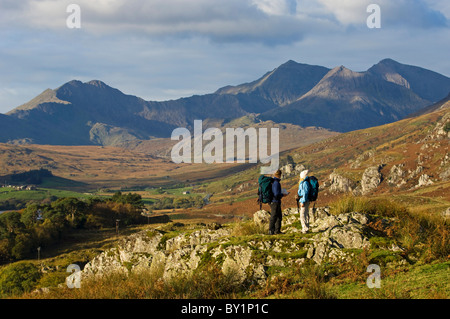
[337,99]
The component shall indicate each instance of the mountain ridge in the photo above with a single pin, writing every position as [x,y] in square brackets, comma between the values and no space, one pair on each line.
[344,94]
[338,99]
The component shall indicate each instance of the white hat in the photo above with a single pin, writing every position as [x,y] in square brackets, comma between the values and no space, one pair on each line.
[304,173]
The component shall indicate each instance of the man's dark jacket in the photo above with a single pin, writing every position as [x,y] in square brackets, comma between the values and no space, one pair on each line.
[276,190]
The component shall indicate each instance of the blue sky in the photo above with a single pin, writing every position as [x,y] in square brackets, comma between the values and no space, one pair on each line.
[167,49]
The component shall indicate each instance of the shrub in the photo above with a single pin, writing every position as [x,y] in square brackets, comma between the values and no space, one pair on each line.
[314,282]
[447,127]
[18,278]
[350,203]
[249,228]
[379,207]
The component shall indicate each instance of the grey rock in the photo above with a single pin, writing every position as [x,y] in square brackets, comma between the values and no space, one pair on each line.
[396,175]
[244,261]
[371,179]
[340,184]
[424,180]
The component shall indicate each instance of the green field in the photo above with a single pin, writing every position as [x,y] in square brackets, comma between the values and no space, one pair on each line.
[7,193]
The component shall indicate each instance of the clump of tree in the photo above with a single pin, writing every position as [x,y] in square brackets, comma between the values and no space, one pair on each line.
[44,225]
[130,198]
[18,278]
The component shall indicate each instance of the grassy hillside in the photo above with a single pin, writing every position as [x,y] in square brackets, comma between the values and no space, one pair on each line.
[418,271]
[419,146]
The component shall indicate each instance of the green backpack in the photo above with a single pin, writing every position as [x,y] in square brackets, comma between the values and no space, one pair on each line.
[265,194]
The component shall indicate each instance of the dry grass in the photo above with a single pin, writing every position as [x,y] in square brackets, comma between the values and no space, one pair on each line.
[207,282]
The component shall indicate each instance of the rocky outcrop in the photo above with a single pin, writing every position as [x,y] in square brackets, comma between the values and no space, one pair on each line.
[424,180]
[371,179]
[246,259]
[291,169]
[396,176]
[340,184]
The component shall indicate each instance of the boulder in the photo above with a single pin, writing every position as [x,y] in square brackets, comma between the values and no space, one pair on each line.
[261,217]
[424,180]
[371,179]
[396,176]
[336,233]
[340,184]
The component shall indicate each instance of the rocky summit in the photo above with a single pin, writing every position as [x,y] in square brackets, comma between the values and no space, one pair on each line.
[332,238]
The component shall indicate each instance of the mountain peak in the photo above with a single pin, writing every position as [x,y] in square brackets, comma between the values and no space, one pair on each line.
[47,96]
[289,63]
[282,85]
[434,88]
[342,72]
[98,84]
[78,84]
[388,61]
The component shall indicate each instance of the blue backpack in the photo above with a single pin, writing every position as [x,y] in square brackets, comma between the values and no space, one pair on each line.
[314,189]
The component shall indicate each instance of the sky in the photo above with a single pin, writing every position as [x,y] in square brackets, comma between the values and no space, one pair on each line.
[168,49]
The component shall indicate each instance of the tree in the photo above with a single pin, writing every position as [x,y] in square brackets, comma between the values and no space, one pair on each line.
[130,198]
[10,221]
[23,244]
[30,214]
[73,208]
[5,250]
[18,278]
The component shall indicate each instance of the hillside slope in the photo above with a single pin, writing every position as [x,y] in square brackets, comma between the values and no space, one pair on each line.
[408,160]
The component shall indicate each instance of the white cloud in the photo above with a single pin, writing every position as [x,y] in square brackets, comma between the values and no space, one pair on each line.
[405,13]
[276,7]
[161,49]
[269,22]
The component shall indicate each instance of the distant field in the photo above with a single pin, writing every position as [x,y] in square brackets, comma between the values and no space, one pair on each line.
[38,194]
[88,168]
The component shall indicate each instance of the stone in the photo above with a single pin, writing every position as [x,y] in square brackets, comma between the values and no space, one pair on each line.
[241,260]
[340,184]
[424,180]
[371,179]
[396,176]
[446,213]
[261,217]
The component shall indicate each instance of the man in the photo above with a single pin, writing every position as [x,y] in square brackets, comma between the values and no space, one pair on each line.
[275,205]
[302,196]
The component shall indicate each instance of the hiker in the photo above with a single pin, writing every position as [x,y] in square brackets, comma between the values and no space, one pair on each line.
[304,189]
[275,205]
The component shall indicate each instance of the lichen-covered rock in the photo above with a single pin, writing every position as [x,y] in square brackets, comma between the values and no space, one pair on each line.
[261,217]
[335,233]
[244,259]
[371,179]
[424,180]
[396,176]
[340,184]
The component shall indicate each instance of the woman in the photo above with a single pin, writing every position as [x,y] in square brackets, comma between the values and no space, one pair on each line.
[303,192]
